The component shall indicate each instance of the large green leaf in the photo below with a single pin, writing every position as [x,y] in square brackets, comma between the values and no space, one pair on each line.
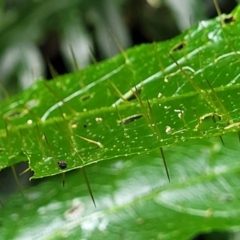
[181,89]
[134,199]
[183,98]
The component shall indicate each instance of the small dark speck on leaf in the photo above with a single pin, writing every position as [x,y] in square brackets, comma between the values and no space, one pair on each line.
[62,164]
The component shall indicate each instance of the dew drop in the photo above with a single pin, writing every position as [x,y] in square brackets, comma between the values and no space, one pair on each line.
[168,129]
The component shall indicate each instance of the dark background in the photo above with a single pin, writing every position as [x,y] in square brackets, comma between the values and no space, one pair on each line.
[40,35]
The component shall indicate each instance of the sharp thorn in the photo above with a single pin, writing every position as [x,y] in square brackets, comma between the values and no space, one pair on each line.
[23,172]
[88,186]
[221,140]
[165,163]
[63,179]
[17,180]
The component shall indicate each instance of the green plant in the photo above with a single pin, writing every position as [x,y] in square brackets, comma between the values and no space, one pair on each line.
[176,97]
[35,32]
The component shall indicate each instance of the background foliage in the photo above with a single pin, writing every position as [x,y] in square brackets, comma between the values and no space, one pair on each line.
[146,187]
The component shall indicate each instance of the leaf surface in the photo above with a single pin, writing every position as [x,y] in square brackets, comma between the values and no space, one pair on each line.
[148,97]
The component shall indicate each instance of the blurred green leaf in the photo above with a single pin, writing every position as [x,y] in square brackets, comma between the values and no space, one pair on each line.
[134,200]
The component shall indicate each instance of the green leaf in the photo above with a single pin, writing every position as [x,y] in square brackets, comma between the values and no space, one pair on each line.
[148,97]
[134,199]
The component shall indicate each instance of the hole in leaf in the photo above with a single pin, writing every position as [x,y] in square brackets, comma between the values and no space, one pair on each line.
[229,19]
[13,114]
[130,119]
[134,95]
[85,97]
[178,47]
